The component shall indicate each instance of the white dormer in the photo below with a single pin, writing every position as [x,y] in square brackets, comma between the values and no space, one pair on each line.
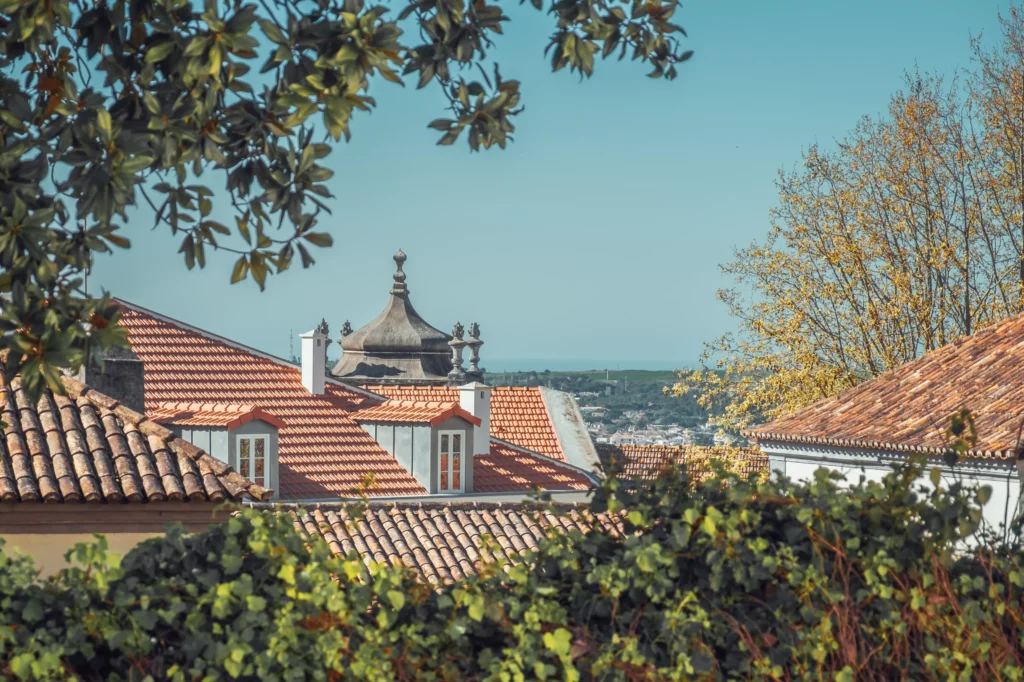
[475,398]
[314,361]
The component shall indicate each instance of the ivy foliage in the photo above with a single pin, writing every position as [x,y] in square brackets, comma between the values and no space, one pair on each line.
[732,579]
[171,105]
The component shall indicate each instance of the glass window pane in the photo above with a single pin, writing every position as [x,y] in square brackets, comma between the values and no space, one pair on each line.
[444,471]
[457,443]
[243,456]
[455,481]
[444,443]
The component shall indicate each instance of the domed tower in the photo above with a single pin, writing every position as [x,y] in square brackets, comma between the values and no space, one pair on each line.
[397,347]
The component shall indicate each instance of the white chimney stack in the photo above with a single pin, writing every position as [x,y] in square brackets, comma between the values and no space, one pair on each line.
[475,398]
[314,361]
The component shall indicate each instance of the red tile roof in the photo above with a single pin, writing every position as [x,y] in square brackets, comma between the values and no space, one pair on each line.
[518,413]
[646,462]
[227,415]
[432,412]
[909,408]
[86,447]
[509,469]
[323,452]
[444,542]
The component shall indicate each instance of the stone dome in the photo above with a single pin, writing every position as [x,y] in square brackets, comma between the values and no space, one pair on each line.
[398,344]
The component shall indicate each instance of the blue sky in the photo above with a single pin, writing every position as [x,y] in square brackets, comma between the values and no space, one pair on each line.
[595,238]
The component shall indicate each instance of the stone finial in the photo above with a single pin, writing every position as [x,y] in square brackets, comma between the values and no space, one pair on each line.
[474,350]
[346,329]
[399,288]
[457,376]
[322,327]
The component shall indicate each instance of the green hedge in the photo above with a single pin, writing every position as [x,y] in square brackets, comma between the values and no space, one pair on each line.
[732,580]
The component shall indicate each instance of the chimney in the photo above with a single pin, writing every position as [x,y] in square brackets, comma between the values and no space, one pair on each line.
[314,361]
[121,378]
[475,398]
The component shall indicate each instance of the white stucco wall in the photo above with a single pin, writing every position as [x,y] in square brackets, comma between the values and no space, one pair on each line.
[799,462]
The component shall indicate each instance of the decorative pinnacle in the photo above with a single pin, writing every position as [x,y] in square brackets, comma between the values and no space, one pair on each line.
[346,329]
[322,327]
[458,331]
[399,288]
[474,350]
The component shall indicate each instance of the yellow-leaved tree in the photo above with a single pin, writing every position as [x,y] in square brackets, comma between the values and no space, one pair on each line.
[904,236]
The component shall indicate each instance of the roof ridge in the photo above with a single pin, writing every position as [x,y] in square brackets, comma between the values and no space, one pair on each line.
[234,481]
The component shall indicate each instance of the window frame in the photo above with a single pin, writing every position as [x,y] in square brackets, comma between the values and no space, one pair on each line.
[265,437]
[451,461]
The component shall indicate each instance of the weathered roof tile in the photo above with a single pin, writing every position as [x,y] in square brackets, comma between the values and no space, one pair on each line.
[443,542]
[74,448]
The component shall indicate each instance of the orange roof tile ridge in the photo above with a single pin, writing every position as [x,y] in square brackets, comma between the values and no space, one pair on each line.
[233,480]
[235,344]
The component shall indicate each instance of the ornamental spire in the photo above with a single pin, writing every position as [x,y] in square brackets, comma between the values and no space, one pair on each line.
[399,288]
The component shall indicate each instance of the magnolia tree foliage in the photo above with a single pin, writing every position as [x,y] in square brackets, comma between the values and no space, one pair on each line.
[111,104]
[905,236]
[732,579]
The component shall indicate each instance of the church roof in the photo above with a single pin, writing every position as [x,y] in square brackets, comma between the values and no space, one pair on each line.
[397,345]
[399,328]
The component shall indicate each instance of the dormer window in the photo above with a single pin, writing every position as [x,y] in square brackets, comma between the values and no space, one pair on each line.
[244,437]
[252,458]
[433,441]
[451,451]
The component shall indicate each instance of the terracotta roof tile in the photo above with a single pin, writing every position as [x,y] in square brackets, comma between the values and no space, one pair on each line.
[85,447]
[909,408]
[509,469]
[323,452]
[432,412]
[443,542]
[646,462]
[518,413]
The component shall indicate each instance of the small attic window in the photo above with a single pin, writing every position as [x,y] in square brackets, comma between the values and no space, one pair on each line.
[252,458]
[451,476]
